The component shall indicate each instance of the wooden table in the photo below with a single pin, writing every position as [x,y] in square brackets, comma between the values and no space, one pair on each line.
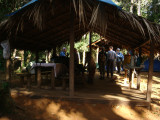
[56,69]
[132,69]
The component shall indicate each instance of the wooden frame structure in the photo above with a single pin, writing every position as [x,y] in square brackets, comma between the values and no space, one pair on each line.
[45,24]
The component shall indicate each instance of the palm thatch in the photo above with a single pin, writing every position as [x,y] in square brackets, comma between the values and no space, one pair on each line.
[45,24]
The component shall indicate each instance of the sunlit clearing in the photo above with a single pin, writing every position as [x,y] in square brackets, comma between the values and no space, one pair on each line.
[56,109]
[4,118]
[115,97]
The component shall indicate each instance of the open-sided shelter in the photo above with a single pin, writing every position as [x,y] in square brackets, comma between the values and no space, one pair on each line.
[43,24]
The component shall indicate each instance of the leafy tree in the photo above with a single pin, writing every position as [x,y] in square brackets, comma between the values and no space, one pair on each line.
[8,6]
[154,11]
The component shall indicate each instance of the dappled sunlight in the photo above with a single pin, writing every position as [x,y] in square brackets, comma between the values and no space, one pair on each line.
[47,109]
[115,97]
[4,118]
[120,110]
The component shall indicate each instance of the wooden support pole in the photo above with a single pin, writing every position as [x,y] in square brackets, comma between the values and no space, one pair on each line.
[54,51]
[140,55]
[37,57]
[97,55]
[71,65]
[130,78]
[52,78]
[90,42]
[39,77]
[28,80]
[138,79]
[90,46]
[125,77]
[8,70]
[150,72]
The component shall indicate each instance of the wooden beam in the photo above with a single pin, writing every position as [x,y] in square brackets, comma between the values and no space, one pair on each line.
[150,72]
[71,65]
[142,44]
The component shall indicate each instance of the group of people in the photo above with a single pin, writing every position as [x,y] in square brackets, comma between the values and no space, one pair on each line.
[109,59]
[106,59]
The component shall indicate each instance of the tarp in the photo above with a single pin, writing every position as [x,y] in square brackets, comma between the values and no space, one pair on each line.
[110,2]
[33,1]
[156,67]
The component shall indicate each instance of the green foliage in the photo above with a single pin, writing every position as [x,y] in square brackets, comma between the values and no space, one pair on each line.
[154,11]
[8,6]
[149,9]
[84,42]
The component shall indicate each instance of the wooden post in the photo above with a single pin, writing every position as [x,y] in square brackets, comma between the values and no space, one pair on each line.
[140,55]
[52,78]
[37,57]
[125,77]
[97,55]
[130,78]
[71,65]
[150,72]
[39,77]
[8,70]
[90,42]
[54,51]
[28,80]
[138,79]
[84,56]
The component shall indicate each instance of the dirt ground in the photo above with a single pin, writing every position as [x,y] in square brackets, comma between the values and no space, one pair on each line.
[49,109]
[46,109]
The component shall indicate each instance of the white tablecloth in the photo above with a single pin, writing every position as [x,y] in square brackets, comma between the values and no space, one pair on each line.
[59,69]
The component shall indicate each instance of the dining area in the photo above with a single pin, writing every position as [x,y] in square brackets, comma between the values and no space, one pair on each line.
[42,73]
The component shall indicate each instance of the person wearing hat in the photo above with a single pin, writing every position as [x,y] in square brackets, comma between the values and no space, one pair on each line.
[63,52]
[119,59]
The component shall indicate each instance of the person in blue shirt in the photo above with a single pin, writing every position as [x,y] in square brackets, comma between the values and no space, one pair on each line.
[111,56]
[119,59]
[63,52]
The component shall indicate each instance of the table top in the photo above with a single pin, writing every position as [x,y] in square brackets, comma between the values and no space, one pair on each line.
[59,68]
[44,64]
[132,67]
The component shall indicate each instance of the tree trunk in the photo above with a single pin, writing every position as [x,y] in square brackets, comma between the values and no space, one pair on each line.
[79,57]
[139,8]
[14,53]
[71,62]
[97,55]
[150,72]
[84,57]
[131,7]
[22,59]
[47,54]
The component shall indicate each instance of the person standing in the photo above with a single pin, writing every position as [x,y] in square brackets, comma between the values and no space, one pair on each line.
[63,52]
[101,62]
[111,56]
[119,59]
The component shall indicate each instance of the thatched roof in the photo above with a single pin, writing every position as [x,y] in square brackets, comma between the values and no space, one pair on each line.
[46,23]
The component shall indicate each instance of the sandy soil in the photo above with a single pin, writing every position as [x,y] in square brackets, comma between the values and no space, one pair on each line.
[48,109]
